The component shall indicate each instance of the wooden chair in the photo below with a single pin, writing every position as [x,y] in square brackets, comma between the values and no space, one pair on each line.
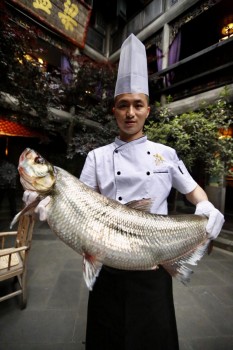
[14,257]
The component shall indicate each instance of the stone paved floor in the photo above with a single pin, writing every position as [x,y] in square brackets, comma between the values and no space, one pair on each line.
[55,316]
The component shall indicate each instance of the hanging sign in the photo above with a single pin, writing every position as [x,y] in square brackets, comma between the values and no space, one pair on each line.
[68,17]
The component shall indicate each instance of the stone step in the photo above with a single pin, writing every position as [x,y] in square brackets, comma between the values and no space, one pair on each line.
[225,241]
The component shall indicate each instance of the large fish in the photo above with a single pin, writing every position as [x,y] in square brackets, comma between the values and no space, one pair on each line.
[106,232]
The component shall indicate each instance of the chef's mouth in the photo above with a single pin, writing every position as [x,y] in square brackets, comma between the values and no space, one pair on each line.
[130,122]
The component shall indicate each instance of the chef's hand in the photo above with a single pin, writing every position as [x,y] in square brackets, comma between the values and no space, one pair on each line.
[41,208]
[29,196]
[216,219]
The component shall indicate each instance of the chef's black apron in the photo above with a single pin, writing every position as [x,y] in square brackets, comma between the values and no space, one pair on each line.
[131,310]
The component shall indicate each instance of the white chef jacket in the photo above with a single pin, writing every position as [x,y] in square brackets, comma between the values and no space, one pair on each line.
[127,171]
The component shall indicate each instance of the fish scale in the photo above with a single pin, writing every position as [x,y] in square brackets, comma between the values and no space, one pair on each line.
[107,232]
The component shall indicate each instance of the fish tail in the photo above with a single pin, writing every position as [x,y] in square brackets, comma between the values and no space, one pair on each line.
[177,268]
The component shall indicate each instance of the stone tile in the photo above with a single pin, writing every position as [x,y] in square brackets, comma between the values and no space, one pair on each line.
[37,327]
[55,317]
[183,344]
[44,277]
[218,254]
[39,346]
[222,270]
[193,322]
[221,317]
[38,298]
[80,330]
[27,346]
[182,294]
[204,277]
[212,343]
[75,263]
[66,292]
[222,296]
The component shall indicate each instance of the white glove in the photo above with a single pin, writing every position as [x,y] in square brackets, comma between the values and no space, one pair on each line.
[41,209]
[29,196]
[216,219]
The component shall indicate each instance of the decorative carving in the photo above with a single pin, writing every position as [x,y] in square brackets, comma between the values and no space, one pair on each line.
[156,40]
[199,9]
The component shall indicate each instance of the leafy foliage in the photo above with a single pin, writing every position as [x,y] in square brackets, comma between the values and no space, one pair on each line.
[18,76]
[196,135]
[86,100]
[92,94]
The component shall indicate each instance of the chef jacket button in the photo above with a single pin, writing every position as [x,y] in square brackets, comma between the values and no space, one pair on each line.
[148,152]
[148,173]
[116,151]
[118,173]
[120,198]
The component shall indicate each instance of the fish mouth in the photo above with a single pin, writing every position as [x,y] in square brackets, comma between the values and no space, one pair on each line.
[26,154]
[22,159]
[22,164]
[23,155]
[25,178]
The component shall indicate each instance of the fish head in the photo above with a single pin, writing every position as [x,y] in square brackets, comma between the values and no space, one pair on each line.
[36,173]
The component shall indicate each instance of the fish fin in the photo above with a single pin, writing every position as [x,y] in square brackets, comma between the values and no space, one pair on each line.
[15,219]
[143,204]
[28,209]
[91,270]
[177,268]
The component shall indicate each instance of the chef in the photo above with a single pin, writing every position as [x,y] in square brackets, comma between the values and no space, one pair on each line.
[134,310]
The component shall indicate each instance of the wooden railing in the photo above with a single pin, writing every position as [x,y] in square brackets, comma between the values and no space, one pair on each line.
[202,71]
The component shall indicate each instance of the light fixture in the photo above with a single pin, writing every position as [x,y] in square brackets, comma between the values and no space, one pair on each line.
[7,144]
[226,132]
[228,29]
[40,61]
[31,59]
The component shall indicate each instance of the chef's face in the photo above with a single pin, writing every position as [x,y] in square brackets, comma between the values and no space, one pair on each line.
[131,111]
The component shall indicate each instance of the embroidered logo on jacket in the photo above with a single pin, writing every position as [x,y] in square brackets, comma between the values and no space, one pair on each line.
[158,159]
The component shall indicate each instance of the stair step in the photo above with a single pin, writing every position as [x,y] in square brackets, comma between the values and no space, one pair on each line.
[225,241]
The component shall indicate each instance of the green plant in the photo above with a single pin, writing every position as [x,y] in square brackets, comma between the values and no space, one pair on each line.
[196,135]
[86,101]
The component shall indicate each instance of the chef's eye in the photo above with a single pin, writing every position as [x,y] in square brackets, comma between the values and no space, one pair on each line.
[39,160]
[121,106]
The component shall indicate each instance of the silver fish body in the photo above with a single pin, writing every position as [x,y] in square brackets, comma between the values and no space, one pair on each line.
[120,236]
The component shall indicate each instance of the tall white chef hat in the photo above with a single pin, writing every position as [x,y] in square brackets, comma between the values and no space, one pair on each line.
[132,74]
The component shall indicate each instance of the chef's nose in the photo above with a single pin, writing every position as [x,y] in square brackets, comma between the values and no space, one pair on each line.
[130,111]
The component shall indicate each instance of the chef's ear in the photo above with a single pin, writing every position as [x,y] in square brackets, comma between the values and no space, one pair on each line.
[148,109]
[113,110]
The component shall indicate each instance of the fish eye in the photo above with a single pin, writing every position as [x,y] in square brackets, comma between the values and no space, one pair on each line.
[39,160]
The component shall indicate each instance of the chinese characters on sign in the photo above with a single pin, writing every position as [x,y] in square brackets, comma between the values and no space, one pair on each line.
[43,5]
[69,17]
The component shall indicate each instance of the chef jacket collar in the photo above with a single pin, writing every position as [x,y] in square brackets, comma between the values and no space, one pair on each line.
[120,143]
